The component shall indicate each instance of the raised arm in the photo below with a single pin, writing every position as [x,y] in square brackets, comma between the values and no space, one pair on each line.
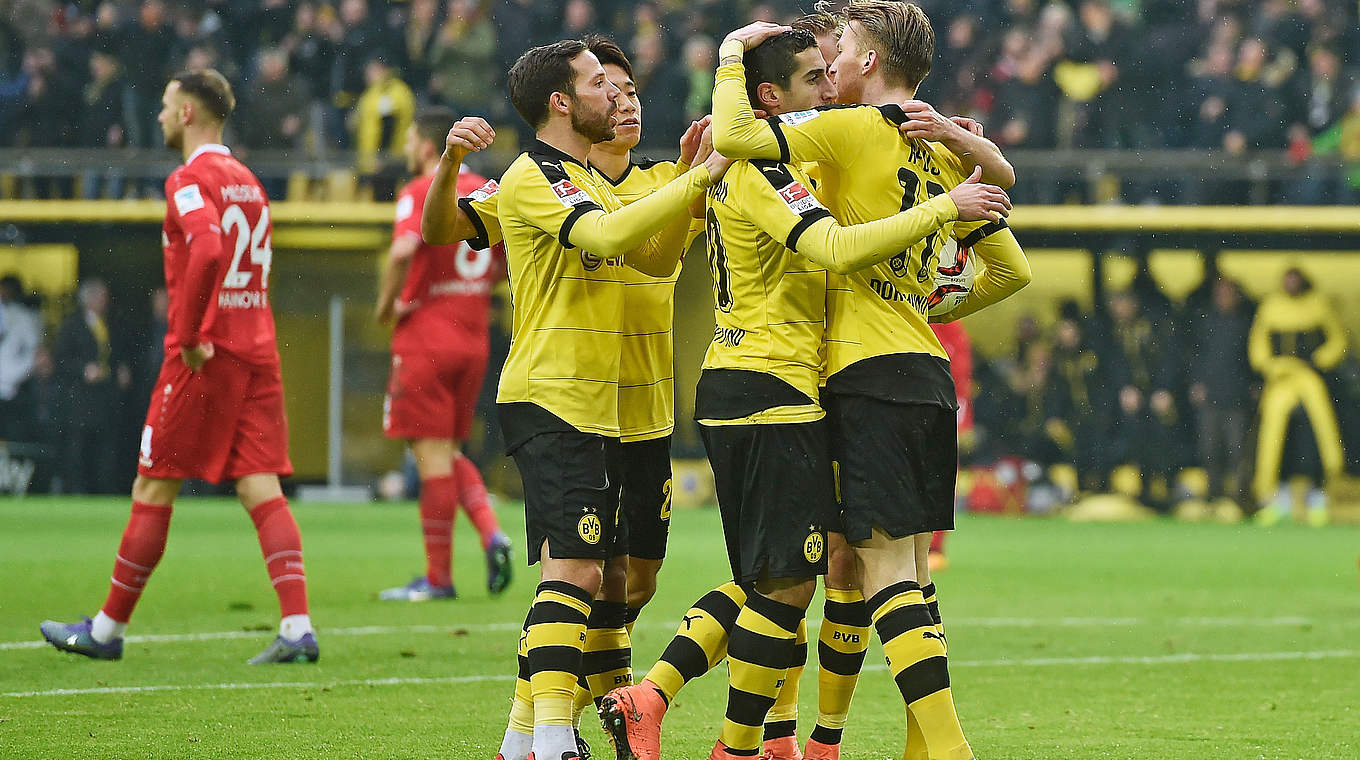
[443,222]
[971,148]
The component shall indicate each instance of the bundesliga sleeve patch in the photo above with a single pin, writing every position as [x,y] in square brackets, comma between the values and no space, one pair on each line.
[570,195]
[799,117]
[187,199]
[797,198]
[405,206]
[487,190]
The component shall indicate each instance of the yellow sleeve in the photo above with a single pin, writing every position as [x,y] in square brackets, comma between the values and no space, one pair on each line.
[783,207]
[1329,354]
[482,208]
[1259,352]
[634,226]
[817,135]
[1007,268]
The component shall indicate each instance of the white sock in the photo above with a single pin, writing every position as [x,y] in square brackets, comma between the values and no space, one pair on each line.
[1316,499]
[516,746]
[106,628]
[554,741]
[1284,500]
[293,627]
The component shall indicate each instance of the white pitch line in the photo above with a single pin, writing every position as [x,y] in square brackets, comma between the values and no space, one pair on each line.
[979,622]
[1169,659]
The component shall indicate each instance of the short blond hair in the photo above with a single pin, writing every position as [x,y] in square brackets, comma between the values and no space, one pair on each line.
[902,35]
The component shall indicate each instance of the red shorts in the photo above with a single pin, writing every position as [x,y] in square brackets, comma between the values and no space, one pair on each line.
[223,422]
[433,395]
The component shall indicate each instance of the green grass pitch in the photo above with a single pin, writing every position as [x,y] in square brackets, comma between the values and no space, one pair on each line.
[1151,640]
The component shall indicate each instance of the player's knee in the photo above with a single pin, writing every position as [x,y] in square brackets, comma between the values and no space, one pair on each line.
[614,581]
[155,491]
[795,592]
[641,583]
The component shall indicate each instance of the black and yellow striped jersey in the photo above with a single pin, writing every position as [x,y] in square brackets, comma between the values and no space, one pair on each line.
[647,364]
[879,342]
[566,236]
[769,302]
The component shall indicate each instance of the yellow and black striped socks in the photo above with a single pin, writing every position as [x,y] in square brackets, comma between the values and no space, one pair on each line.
[607,660]
[519,734]
[700,643]
[782,719]
[841,645]
[933,604]
[916,744]
[916,658]
[758,655]
[555,638]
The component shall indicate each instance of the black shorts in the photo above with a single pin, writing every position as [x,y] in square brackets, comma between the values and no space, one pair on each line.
[571,495]
[896,465]
[646,498]
[776,497]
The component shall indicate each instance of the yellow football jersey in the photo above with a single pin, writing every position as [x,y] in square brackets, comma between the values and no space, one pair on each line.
[647,365]
[769,302]
[879,342]
[568,301]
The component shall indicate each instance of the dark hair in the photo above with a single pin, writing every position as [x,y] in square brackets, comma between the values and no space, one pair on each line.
[902,35]
[609,52]
[774,61]
[539,73]
[12,285]
[434,123]
[210,89]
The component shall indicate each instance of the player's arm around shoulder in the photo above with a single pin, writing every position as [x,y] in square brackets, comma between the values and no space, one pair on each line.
[963,138]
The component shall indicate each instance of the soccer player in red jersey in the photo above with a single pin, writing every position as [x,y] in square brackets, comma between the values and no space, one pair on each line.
[217,411]
[440,296]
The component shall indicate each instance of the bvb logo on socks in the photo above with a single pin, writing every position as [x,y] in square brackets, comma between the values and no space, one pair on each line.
[813,546]
[589,528]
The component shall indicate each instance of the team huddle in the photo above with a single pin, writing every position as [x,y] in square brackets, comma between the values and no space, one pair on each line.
[829,200]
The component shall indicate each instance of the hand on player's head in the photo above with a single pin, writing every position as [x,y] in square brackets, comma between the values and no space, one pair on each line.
[757,32]
[469,135]
[979,202]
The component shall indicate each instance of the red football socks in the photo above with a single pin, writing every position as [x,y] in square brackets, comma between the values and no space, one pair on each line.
[472,494]
[438,505]
[141,548]
[282,547]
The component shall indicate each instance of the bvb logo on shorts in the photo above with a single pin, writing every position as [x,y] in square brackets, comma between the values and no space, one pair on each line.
[590,529]
[813,546]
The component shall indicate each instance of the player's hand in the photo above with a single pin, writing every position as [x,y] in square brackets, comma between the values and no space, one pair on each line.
[757,32]
[925,123]
[195,357]
[972,125]
[978,201]
[689,142]
[715,162]
[469,135]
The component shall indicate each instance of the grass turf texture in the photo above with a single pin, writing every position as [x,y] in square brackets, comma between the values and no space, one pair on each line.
[1151,640]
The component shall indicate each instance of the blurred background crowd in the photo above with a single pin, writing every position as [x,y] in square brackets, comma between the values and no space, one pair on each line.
[1234,78]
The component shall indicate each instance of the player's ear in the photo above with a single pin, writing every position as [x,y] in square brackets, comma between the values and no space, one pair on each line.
[869,64]
[559,103]
[186,112]
[768,95]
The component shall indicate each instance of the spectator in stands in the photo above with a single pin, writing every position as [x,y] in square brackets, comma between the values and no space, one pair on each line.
[1027,98]
[699,58]
[384,111]
[1076,416]
[275,108]
[362,39]
[1220,381]
[1344,139]
[1097,56]
[104,122]
[144,47]
[20,337]
[659,81]
[419,32]
[463,59]
[92,368]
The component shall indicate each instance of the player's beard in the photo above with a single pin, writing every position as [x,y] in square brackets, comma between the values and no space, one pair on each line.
[596,126]
[174,140]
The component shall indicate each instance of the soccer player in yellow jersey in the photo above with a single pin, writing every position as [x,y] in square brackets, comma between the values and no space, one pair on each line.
[567,237]
[771,243]
[889,395]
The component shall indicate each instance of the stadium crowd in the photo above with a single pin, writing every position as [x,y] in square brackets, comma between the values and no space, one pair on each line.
[1228,75]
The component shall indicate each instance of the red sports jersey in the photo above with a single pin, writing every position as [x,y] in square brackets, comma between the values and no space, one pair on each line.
[959,348]
[446,300]
[217,257]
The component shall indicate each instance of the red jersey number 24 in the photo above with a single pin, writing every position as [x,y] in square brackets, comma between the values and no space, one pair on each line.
[257,240]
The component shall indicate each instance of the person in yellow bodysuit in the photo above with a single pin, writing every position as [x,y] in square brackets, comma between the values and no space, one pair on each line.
[1295,338]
